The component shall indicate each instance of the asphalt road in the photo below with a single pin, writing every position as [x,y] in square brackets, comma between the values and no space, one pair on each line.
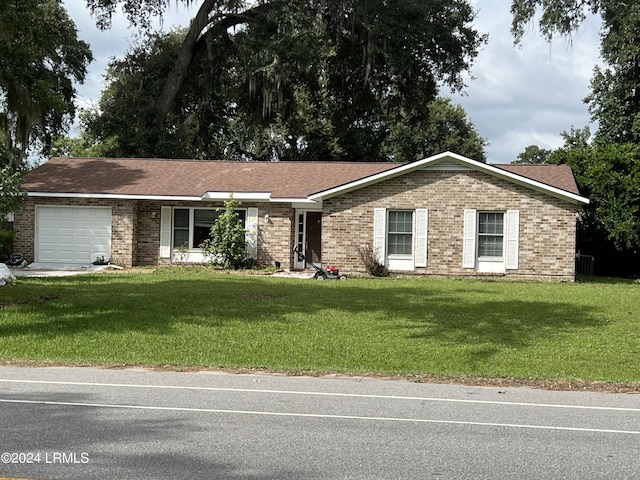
[85,423]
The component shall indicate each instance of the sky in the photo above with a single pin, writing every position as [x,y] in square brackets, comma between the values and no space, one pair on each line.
[515,96]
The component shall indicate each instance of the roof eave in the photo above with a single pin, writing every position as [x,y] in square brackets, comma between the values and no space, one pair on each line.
[219,196]
[112,196]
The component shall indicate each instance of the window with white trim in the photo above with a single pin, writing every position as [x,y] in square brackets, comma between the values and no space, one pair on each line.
[400,232]
[192,226]
[491,235]
[400,237]
[491,240]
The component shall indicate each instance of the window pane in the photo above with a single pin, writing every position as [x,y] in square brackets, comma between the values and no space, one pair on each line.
[490,223]
[490,234]
[399,244]
[203,220]
[490,246]
[181,218]
[400,222]
[181,238]
[180,227]
[400,237]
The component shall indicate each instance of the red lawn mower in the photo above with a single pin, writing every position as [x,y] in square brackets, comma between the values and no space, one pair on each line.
[331,272]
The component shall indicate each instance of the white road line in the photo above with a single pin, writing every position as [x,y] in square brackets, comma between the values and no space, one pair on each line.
[324,416]
[323,394]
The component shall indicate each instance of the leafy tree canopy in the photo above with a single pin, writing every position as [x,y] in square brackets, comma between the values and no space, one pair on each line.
[534,155]
[86,145]
[11,195]
[294,95]
[41,56]
[609,175]
[292,79]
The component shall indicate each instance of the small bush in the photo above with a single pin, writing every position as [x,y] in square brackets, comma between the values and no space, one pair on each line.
[227,245]
[6,243]
[369,257]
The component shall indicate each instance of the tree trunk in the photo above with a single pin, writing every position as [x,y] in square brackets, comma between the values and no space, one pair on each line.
[194,41]
[181,68]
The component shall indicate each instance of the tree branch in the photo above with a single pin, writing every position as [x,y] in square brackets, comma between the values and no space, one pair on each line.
[195,41]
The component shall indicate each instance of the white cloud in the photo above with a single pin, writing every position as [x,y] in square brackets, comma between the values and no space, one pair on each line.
[528,95]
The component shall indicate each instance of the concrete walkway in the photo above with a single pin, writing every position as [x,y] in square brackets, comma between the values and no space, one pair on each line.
[66,270]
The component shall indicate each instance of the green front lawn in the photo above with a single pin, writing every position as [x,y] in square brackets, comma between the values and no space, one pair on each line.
[195,317]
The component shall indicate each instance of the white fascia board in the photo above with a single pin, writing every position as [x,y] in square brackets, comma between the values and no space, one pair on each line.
[459,159]
[240,196]
[256,197]
[305,205]
[110,196]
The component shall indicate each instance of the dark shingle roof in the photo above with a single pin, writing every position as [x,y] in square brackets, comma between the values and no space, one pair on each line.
[157,177]
[559,176]
[194,178]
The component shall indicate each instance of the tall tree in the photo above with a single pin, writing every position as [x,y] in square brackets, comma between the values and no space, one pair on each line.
[321,79]
[608,174]
[431,39]
[222,122]
[41,56]
[86,144]
[615,88]
[442,126]
[534,155]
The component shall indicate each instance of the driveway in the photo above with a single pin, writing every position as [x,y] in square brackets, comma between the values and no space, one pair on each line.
[58,270]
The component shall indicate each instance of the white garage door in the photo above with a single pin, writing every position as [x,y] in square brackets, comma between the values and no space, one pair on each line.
[72,234]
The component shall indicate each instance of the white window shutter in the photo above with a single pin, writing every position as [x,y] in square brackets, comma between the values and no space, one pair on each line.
[251,232]
[512,235]
[469,240]
[165,232]
[379,234]
[422,224]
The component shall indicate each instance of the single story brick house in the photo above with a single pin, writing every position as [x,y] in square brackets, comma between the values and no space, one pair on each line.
[444,215]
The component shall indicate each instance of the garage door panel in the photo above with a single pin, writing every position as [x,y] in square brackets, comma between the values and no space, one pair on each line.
[72,234]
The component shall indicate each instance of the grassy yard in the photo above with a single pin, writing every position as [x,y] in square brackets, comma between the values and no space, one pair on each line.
[194,317]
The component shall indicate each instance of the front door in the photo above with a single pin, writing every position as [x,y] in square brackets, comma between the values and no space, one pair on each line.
[314,237]
[309,237]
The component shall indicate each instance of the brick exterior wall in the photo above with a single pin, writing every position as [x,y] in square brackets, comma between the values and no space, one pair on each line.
[24,222]
[546,240]
[274,235]
[547,225]
[148,229]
